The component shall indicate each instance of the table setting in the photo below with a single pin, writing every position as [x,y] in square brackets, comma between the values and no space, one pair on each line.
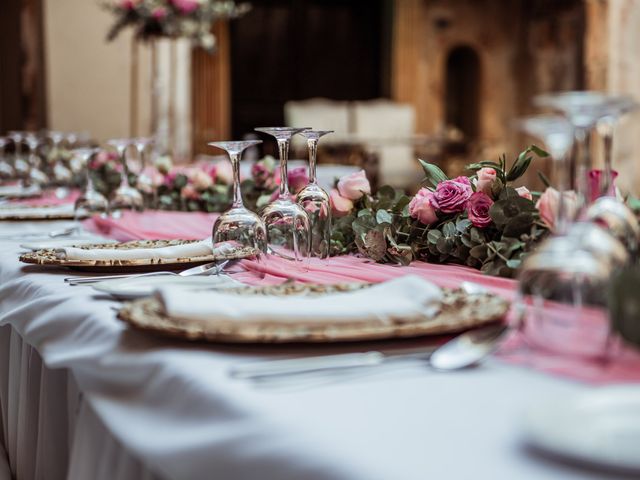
[333,330]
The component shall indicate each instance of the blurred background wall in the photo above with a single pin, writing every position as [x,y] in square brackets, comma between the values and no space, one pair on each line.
[466,69]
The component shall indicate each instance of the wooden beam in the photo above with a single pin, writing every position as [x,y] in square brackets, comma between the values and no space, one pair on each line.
[211,92]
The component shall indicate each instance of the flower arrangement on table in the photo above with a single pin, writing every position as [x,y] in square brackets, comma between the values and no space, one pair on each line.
[480,220]
[172,18]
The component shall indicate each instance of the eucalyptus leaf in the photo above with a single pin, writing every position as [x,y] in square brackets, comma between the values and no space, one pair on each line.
[434,175]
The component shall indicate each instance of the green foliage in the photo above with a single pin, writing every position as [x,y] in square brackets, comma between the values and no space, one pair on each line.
[381,228]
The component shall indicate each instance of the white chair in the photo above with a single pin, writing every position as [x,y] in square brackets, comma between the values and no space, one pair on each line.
[388,129]
[319,114]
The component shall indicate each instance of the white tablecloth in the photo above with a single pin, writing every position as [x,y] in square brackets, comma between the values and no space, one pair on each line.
[108,402]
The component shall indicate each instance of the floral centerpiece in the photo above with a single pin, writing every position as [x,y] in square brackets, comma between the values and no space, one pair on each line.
[105,169]
[172,18]
[480,220]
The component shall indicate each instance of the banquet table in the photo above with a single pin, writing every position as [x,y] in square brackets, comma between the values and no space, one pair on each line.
[84,396]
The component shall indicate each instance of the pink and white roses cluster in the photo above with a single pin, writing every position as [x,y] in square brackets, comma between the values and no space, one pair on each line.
[349,189]
[457,196]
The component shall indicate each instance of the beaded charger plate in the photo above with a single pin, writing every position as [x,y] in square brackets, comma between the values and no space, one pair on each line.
[48,257]
[41,212]
[458,311]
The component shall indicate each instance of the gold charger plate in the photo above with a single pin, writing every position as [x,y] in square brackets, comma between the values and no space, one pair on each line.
[48,257]
[54,213]
[459,311]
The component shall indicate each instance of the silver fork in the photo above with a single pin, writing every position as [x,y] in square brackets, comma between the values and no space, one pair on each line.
[212,268]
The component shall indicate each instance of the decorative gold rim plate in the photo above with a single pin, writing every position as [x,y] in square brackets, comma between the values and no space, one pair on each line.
[48,257]
[459,311]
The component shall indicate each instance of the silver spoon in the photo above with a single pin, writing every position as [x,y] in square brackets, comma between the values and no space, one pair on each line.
[460,352]
[206,269]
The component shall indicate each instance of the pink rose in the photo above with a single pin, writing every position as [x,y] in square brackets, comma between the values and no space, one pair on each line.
[486,177]
[340,206]
[262,175]
[298,179]
[224,173]
[159,13]
[101,159]
[186,6]
[550,201]
[596,184]
[354,186]
[128,4]
[478,209]
[451,195]
[524,193]
[201,180]
[189,192]
[170,177]
[421,208]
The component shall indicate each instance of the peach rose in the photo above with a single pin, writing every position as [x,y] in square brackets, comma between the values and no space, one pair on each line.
[486,177]
[201,180]
[224,173]
[524,193]
[340,205]
[550,201]
[421,207]
[189,192]
[354,186]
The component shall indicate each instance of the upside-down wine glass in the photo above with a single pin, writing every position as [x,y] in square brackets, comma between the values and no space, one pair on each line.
[287,223]
[36,175]
[583,109]
[616,109]
[561,283]
[125,197]
[315,200]
[238,224]
[20,165]
[90,200]
[144,182]
[6,169]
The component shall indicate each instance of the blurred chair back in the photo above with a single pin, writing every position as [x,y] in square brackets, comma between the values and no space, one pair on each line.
[319,114]
[388,129]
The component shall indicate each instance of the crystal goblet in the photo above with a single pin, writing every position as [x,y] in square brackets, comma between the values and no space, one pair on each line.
[90,200]
[238,224]
[287,223]
[315,200]
[125,197]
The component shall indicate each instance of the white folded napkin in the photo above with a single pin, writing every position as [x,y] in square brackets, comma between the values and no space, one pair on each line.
[65,242]
[36,212]
[202,248]
[403,298]
[17,191]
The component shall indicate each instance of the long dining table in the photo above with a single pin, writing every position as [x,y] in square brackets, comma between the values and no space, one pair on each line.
[84,396]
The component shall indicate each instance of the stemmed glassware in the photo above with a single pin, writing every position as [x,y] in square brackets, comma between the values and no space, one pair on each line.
[566,277]
[315,200]
[583,109]
[144,182]
[618,107]
[90,201]
[6,169]
[125,197]
[36,175]
[238,223]
[287,223]
[20,165]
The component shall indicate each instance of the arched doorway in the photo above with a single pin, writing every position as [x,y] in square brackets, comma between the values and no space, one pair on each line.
[462,91]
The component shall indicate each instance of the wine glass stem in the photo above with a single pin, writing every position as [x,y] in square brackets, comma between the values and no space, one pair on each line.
[607,140]
[581,162]
[312,143]
[283,149]
[122,151]
[237,191]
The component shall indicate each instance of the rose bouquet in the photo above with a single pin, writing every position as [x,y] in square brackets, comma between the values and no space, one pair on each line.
[480,220]
[172,18]
[106,172]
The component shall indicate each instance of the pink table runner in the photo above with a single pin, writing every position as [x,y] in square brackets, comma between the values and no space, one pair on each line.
[623,367]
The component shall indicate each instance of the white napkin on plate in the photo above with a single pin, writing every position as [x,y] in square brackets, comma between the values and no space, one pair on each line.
[19,191]
[405,297]
[202,248]
[36,212]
